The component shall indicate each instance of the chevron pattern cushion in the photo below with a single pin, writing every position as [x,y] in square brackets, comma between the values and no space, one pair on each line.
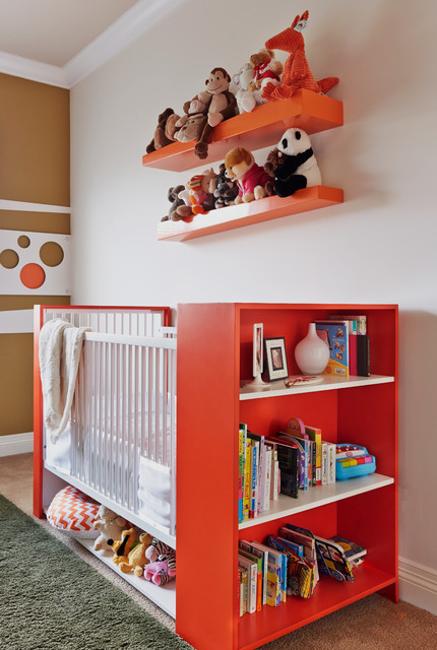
[73,512]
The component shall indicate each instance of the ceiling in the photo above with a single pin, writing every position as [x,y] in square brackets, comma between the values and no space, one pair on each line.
[54,31]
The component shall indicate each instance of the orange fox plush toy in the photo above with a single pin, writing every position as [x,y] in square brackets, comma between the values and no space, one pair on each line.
[297,73]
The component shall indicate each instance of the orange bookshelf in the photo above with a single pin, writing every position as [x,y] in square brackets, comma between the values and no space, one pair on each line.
[247,214]
[260,128]
[215,353]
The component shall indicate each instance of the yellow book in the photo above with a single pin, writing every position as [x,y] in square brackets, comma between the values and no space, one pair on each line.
[247,479]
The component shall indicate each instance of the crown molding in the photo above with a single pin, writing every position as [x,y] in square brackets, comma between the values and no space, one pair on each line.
[126,29]
[18,66]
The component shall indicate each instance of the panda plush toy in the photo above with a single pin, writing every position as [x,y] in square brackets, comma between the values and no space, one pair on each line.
[296,164]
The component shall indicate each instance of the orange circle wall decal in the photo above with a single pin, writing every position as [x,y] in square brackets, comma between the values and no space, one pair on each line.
[32,276]
[23,241]
[9,258]
[51,253]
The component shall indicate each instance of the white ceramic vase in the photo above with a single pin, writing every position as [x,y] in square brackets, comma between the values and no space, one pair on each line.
[312,354]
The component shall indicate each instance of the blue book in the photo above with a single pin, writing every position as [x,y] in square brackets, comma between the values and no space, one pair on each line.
[336,335]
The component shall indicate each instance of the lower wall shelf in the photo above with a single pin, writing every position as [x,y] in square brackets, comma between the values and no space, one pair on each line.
[246,214]
[330,595]
[164,597]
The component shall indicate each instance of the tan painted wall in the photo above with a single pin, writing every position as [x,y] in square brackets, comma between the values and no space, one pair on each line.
[35,168]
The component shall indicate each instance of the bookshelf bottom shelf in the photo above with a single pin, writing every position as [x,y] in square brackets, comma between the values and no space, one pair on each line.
[271,623]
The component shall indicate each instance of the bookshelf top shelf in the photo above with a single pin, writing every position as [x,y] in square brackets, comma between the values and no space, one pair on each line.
[260,128]
[278,389]
[318,496]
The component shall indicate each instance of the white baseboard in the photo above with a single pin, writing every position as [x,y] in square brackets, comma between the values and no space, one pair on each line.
[418,585]
[16,443]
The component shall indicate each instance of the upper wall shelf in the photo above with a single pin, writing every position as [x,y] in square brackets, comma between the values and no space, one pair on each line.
[261,128]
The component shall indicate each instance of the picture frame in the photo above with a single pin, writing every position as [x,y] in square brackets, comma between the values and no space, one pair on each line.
[258,350]
[276,358]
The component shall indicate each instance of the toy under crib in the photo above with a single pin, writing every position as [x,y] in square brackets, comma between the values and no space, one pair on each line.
[119,448]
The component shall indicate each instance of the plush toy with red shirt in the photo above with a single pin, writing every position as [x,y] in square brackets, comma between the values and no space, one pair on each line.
[252,179]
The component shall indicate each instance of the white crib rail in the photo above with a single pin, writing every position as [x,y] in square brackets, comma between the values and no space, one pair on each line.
[124,407]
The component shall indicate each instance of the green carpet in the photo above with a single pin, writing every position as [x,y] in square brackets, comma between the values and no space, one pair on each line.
[51,599]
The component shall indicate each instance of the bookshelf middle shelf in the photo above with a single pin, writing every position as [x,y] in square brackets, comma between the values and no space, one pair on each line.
[278,388]
[318,496]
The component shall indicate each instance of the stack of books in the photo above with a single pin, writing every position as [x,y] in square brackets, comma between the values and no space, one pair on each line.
[259,475]
[286,462]
[290,564]
[348,344]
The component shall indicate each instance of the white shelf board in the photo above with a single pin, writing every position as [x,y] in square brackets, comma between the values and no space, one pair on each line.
[155,530]
[318,496]
[164,597]
[278,388]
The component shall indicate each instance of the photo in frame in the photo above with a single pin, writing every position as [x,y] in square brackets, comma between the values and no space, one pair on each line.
[276,358]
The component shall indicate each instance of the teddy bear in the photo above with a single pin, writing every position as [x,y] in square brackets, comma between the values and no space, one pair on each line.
[298,166]
[136,559]
[110,527]
[165,130]
[273,161]
[178,210]
[162,563]
[199,192]
[226,190]
[266,69]
[216,103]
[242,86]
[253,181]
[123,546]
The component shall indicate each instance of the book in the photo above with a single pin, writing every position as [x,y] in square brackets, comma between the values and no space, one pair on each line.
[332,560]
[315,434]
[352,551]
[363,356]
[242,435]
[254,479]
[360,321]
[262,555]
[324,463]
[288,460]
[247,479]
[298,571]
[336,335]
[252,572]
[274,574]
[307,539]
[332,449]
[242,572]
[257,558]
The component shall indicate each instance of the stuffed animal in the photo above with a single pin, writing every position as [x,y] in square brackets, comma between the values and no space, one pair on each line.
[178,210]
[253,182]
[136,559]
[199,192]
[216,103]
[123,546]
[242,86]
[273,161]
[298,167]
[165,130]
[226,190]
[297,73]
[189,127]
[266,69]
[110,527]
[162,567]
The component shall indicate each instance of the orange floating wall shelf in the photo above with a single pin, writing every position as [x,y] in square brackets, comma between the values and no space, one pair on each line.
[246,214]
[261,128]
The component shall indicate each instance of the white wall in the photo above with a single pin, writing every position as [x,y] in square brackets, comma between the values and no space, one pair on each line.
[380,246]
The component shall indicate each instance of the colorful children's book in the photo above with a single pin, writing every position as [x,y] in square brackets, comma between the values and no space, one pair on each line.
[332,560]
[242,436]
[247,479]
[336,335]
[352,551]
[274,574]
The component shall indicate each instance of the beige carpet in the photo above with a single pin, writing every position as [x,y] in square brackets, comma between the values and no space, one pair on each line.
[373,623]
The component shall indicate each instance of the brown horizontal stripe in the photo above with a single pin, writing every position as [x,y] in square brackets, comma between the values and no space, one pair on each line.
[53,222]
[9,303]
